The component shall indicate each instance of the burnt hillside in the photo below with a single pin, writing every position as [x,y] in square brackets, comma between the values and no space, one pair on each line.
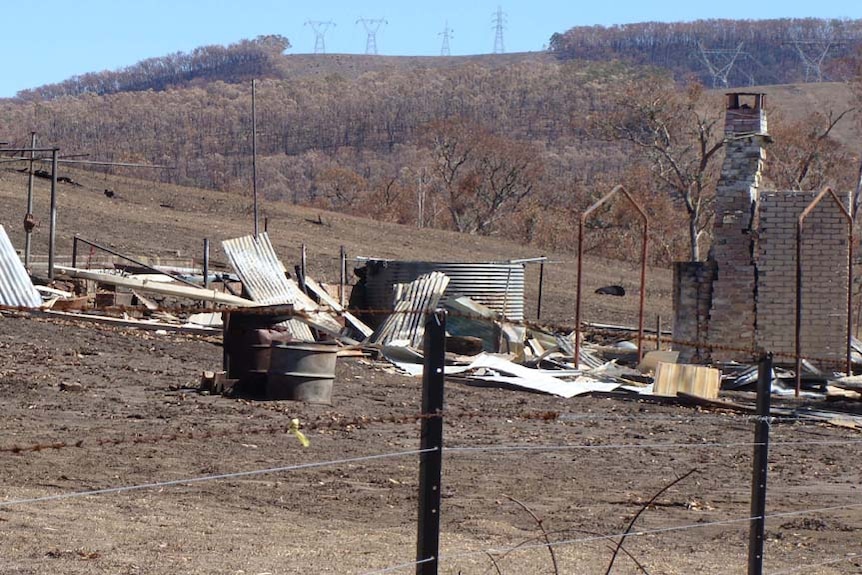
[724,52]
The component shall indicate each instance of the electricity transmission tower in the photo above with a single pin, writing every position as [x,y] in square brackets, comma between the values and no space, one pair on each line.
[719,62]
[812,54]
[447,34]
[320,28]
[372,25]
[499,22]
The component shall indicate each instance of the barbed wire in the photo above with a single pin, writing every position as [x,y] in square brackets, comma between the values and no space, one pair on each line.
[204,478]
[621,446]
[806,568]
[358,422]
[630,534]
[308,314]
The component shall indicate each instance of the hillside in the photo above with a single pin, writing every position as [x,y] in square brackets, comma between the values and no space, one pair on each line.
[144,219]
[725,53]
[378,136]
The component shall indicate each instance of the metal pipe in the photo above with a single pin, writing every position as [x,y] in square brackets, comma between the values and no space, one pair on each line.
[254,154]
[52,229]
[137,262]
[578,290]
[642,301]
[206,263]
[541,287]
[343,279]
[75,251]
[28,230]
[303,267]
[658,332]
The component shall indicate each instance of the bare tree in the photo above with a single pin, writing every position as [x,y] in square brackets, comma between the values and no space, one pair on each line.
[679,133]
[484,176]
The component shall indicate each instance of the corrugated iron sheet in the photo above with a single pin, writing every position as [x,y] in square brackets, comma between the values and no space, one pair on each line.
[412,302]
[498,286]
[263,276]
[16,289]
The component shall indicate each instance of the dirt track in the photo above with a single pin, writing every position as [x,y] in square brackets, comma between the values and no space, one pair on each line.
[355,518]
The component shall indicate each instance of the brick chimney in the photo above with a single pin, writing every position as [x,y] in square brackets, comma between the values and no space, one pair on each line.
[732,320]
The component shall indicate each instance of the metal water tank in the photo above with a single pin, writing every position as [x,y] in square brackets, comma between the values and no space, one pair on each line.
[496,285]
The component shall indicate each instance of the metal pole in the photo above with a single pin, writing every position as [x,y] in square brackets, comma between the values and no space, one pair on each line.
[541,287]
[75,251]
[303,267]
[578,291]
[137,262]
[206,263]
[28,231]
[850,298]
[430,462]
[52,230]
[343,273]
[642,300]
[761,460]
[798,306]
[254,154]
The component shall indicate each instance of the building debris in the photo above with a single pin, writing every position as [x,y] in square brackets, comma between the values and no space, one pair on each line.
[16,289]
[174,290]
[412,302]
[673,378]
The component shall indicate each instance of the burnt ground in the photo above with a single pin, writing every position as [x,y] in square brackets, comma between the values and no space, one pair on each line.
[126,404]
[138,388]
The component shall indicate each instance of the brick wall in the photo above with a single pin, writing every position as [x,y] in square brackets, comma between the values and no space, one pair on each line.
[824,276]
[692,299]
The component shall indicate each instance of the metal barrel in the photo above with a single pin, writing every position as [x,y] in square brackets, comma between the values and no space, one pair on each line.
[302,371]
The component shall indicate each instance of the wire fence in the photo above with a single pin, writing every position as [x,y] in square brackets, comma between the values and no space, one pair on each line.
[475,448]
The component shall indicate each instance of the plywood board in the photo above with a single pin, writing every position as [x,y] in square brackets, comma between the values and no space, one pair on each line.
[671,378]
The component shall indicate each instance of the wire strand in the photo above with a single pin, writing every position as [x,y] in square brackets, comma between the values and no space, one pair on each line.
[806,568]
[219,476]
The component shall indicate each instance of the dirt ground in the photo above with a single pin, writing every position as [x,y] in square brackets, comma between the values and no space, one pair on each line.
[361,517]
[125,406]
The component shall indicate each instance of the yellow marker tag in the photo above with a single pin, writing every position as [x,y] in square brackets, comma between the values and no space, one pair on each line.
[294,429]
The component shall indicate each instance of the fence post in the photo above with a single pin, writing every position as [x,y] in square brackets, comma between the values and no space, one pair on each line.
[206,263]
[761,458]
[541,289]
[430,462]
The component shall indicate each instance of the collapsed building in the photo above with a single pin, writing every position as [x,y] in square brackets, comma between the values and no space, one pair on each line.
[743,299]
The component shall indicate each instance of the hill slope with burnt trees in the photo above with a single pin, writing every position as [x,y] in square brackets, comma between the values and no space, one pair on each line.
[754,52]
[511,145]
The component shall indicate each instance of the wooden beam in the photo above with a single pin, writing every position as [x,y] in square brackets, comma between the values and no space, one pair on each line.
[200,294]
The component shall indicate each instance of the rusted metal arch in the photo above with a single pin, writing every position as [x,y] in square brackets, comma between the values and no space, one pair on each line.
[583,219]
[827,191]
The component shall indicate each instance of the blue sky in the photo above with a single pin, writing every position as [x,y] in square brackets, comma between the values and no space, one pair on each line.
[52,40]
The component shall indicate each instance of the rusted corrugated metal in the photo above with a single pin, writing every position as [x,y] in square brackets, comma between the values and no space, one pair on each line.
[496,285]
[16,289]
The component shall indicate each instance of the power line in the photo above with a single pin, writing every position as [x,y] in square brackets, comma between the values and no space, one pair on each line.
[812,54]
[499,21]
[320,27]
[371,25]
[719,62]
[447,34]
